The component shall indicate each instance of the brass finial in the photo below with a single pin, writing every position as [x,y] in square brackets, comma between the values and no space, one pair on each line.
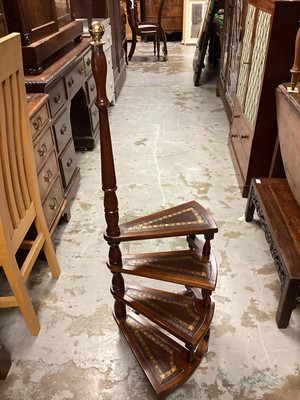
[97,31]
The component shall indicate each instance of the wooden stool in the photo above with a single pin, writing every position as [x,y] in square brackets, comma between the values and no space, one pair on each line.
[279,214]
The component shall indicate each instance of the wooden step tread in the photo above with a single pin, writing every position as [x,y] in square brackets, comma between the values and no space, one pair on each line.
[163,360]
[185,317]
[186,267]
[187,219]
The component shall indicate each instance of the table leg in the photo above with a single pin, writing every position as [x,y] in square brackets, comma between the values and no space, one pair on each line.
[289,292]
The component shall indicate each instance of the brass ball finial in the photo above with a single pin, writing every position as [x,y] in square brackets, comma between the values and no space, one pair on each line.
[96,30]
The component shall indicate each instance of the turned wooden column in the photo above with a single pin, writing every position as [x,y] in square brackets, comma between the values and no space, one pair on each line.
[109,184]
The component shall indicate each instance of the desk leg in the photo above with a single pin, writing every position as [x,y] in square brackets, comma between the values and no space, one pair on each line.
[250,208]
[4,362]
[289,292]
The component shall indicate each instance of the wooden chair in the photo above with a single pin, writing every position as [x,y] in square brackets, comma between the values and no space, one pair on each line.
[186,316]
[20,205]
[146,29]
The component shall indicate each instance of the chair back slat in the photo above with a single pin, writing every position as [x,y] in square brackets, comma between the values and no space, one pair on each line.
[15,194]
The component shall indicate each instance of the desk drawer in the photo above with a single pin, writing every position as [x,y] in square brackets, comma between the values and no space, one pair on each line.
[62,130]
[47,174]
[91,88]
[94,116]
[75,78]
[43,147]
[57,96]
[39,120]
[67,162]
[53,202]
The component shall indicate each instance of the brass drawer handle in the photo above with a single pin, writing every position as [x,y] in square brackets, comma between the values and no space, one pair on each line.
[42,150]
[244,136]
[69,162]
[234,135]
[57,99]
[71,82]
[37,123]
[49,176]
[88,62]
[92,88]
[95,113]
[237,116]
[53,205]
[81,70]
[63,129]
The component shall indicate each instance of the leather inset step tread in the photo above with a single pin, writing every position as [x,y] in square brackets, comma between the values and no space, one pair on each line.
[163,360]
[185,317]
[186,267]
[187,219]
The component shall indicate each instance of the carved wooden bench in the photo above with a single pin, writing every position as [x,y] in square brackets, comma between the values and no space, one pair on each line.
[279,214]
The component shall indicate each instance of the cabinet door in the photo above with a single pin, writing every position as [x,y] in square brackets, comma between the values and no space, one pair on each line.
[63,12]
[258,23]
[3,28]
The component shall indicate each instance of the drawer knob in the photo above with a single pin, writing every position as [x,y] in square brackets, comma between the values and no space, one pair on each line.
[53,205]
[63,129]
[42,150]
[95,113]
[37,123]
[88,62]
[244,136]
[57,99]
[71,82]
[92,88]
[49,176]
[69,162]
[81,70]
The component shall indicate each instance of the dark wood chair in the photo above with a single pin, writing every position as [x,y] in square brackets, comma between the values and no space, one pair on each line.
[146,29]
[167,331]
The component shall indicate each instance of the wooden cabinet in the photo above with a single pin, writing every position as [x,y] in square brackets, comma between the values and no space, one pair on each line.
[266,58]
[112,9]
[230,54]
[108,9]
[51,20]
[172,15]
[46,160]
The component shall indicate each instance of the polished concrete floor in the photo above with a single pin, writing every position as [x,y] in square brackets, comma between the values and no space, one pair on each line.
[170,146]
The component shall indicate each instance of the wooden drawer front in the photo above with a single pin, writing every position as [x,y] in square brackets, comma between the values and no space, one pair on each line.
[53,201]
[108,60]
[107,38]
[67,162]
[95,116]
[91,87]
[74,79]
[62,130]
[43,147]
[47,174]
[39,120]
[87,59]
[110,87]
[57,96]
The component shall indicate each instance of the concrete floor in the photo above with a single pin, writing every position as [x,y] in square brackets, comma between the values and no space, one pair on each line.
[170,146]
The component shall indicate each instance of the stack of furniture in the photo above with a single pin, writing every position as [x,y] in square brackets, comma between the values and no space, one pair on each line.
[168,332]
[266,58]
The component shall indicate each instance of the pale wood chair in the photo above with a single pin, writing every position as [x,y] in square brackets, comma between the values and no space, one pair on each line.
[20,204]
